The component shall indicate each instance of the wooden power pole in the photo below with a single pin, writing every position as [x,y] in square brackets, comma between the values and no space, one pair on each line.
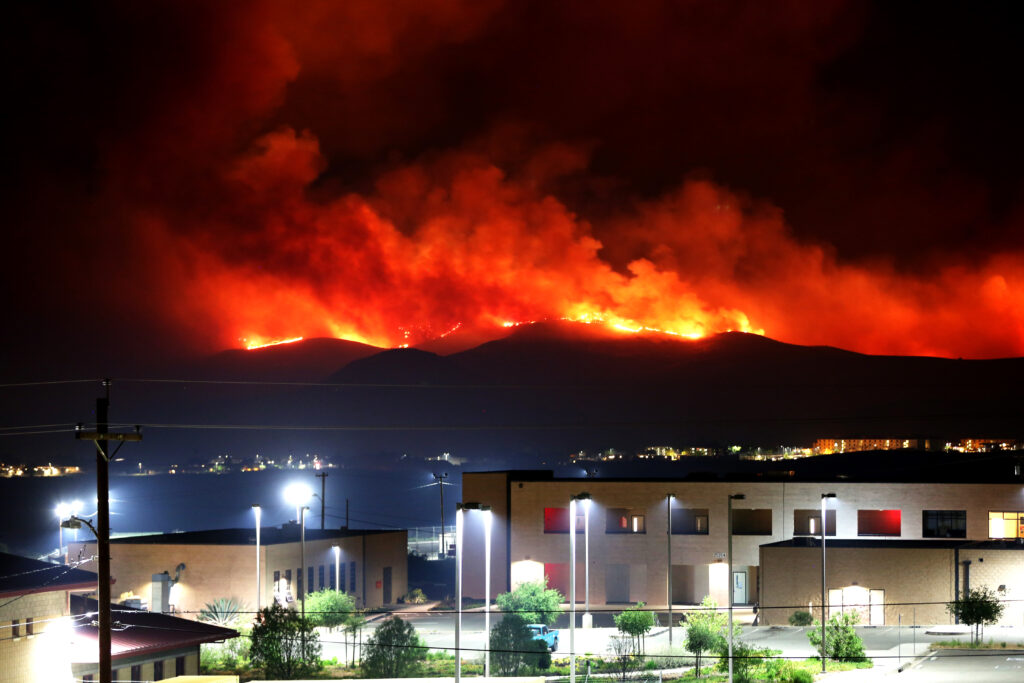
[323,492]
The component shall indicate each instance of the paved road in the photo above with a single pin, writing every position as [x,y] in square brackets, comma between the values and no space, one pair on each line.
[990,666]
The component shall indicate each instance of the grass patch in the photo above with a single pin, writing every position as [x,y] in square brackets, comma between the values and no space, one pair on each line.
[957,644]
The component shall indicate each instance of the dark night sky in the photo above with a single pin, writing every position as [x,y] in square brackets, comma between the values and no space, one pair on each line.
[183,175]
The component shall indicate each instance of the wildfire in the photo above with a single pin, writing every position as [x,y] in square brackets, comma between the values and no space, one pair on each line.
[252,345]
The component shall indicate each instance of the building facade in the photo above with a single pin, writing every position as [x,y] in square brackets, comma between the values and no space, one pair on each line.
[182,572]
[629,539]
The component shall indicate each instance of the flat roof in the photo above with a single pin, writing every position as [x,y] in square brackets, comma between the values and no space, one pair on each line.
[289,533]
[911,544]
[24,575]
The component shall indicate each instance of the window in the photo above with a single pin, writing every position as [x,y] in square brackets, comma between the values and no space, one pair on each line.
[15,628]
[1006,524]
[298,584]
[136,672]
[179,666]
[310,582]
[321,577]
[30,628]
[341,578]
[878,523]
[556,520]
[277,576]
[944,524]
[690,521]
[624,521]
[808,522]
[752,522]
[352,577]
[333,580]
[87,678]
[158,670]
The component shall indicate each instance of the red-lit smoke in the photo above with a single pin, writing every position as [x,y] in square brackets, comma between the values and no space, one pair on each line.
[390,172]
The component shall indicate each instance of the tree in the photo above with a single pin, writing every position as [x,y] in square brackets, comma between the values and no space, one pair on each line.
[393,651]
[843,642]
[977,607]
[284,644]
[703,629]
[225,612]
[533,601]
[513,647]
[636,622]
[329,609]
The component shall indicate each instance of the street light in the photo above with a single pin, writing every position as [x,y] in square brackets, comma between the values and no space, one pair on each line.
[668,533]
[824,527]
[257,511]
[459,524]
[588,619]
[572,589]
[64,511]
[732,497]
[337,566]
[297,494]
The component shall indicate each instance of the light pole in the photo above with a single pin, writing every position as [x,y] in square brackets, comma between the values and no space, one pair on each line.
[257,511]
[572,589]
[668,533]
[337,566]
[732,497]
[65,511]
[588,619]
[824,527]
[298,495]
[440,487]
[460,508]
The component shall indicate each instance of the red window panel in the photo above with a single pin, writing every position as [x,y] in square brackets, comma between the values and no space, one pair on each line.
[878,522]
[556,520]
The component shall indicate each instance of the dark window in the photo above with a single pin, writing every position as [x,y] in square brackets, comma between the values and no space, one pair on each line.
[556,520]
[179,666]
[352,577]
[87,678]
[944,524]
[30,627]
[624,521]
[341,578]
[752,522]
[878,522]
[333,581]
[322,577]
[15,628]
[310,582]
[808,522]
[298,584]
[690,521]
[158,670]
[277,577]
[136,672]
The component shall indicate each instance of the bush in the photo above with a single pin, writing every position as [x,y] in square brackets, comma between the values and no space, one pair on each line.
[533,601]
[284,644]
[801,676]
[514,648]
[393,651]
[843,642]
[801,618]
[224,612]
[703,629]
[415,597]
[330,608]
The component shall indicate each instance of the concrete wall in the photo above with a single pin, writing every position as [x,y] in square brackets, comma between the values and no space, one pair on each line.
[42,656]
[519,512]
[224,571]
[922,579]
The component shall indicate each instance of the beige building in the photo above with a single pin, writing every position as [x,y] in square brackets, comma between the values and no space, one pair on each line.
[629,539]
[182,572]
[35,623]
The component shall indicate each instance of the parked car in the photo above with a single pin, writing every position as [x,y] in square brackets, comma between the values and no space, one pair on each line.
[548,636]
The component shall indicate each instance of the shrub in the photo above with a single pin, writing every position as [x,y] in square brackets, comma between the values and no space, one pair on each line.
[514,648]
[225,612]
[330,608]
[843,642]
[801,618]
[393,651]
[703,629]
[284,644]
[415,597]
[801,676]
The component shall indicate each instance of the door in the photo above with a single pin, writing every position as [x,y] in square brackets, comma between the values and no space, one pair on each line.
[739,588]
[387,585]
[877,600]
[616,583]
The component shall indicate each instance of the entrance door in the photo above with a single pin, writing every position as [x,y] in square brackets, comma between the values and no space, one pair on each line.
[877,600]
[739,588]
[616,583]
[387,585]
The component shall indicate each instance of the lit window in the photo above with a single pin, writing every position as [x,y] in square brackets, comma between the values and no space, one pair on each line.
[689,521]
[808,522]
[624,521]
[1006,524]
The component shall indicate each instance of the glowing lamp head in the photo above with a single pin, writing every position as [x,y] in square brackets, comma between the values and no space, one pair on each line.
[297,494]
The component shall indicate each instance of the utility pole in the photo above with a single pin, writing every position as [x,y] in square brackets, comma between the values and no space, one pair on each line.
[440,487]
[323,491]
[102,438]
